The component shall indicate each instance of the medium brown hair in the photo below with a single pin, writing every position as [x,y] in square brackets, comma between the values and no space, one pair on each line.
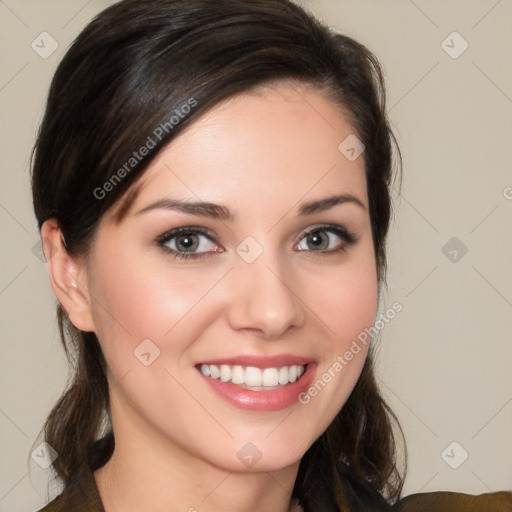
[128,74]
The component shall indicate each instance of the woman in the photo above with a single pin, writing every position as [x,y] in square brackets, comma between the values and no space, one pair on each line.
[211,181]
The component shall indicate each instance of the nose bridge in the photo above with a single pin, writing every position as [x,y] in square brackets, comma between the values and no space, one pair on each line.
[262,295]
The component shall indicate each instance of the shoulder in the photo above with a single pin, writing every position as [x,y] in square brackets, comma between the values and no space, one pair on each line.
[80,495]
[455,502]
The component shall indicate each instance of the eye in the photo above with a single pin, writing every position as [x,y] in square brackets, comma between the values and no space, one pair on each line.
[321,239]
[184,242]
[196,242]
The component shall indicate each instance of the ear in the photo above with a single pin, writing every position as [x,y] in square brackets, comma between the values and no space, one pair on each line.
[68,277]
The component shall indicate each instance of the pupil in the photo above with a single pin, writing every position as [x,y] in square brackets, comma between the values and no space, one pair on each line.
[316,239]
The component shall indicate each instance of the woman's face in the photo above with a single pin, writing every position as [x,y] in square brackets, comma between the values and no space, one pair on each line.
[274,290]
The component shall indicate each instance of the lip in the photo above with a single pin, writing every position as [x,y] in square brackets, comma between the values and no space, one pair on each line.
[272,400]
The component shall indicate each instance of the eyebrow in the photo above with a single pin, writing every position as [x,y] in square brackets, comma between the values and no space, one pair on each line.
[219,212]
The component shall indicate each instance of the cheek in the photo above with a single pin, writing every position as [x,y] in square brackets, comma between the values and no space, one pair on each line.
[134,301]
[347,302]
[347,309]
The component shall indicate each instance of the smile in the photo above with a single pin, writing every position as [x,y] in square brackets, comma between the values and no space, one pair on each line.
[258,383]
[251,377]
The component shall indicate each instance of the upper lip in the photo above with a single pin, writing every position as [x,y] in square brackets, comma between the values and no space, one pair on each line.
[276,361]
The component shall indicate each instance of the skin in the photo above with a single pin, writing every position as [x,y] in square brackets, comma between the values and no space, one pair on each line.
[262,154]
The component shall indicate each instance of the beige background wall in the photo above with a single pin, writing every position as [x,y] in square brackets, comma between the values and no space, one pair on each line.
[445,360]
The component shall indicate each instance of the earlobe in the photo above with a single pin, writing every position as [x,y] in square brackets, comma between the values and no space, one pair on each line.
[67,276]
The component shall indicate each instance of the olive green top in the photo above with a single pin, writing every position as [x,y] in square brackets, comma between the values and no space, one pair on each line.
[82,495]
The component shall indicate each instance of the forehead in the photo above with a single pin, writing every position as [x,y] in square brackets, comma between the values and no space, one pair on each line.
[279,141]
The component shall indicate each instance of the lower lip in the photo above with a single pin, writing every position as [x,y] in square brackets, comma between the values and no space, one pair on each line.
[272,400]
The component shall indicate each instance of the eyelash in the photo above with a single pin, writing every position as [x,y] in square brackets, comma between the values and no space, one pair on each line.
[163,239]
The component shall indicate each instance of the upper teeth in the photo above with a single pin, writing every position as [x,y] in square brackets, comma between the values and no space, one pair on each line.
[252,376]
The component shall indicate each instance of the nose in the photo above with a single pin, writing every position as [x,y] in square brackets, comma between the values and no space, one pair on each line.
[263,297]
